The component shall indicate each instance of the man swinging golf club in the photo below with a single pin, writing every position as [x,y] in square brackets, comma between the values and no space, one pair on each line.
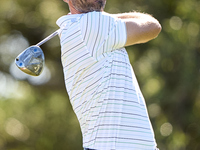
[99,79]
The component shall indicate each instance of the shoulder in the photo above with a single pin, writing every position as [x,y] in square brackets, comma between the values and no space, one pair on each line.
[94,18]
[96,14]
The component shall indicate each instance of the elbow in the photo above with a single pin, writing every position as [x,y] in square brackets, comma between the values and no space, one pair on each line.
[156,29]
[153,31]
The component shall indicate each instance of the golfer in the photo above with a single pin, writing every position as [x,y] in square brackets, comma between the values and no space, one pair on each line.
[99,78]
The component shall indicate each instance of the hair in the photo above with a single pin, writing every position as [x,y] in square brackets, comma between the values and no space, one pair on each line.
[85,6]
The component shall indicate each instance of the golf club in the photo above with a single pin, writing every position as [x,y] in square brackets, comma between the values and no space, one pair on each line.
[31,60]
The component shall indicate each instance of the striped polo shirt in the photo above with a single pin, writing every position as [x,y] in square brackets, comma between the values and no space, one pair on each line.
[101,84]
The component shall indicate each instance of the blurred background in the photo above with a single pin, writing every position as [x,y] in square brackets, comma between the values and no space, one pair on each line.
[35,112]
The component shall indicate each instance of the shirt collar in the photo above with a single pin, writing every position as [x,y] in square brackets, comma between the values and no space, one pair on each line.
[68,17]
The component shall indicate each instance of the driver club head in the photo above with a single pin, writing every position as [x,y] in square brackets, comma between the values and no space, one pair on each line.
[31,60]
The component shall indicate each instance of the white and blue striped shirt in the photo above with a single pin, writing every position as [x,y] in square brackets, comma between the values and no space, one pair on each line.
[101,84]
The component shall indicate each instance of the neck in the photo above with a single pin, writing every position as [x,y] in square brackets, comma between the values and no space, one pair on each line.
[72,9]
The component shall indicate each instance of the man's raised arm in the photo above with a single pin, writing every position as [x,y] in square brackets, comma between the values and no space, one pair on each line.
[140,27]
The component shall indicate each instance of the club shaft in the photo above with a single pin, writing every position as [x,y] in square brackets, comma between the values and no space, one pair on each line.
[49,37]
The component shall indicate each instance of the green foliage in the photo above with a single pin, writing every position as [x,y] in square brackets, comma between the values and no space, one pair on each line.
[35,112]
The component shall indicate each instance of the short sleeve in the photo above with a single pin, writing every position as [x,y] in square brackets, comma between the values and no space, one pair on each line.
[102,33]
[118,34]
